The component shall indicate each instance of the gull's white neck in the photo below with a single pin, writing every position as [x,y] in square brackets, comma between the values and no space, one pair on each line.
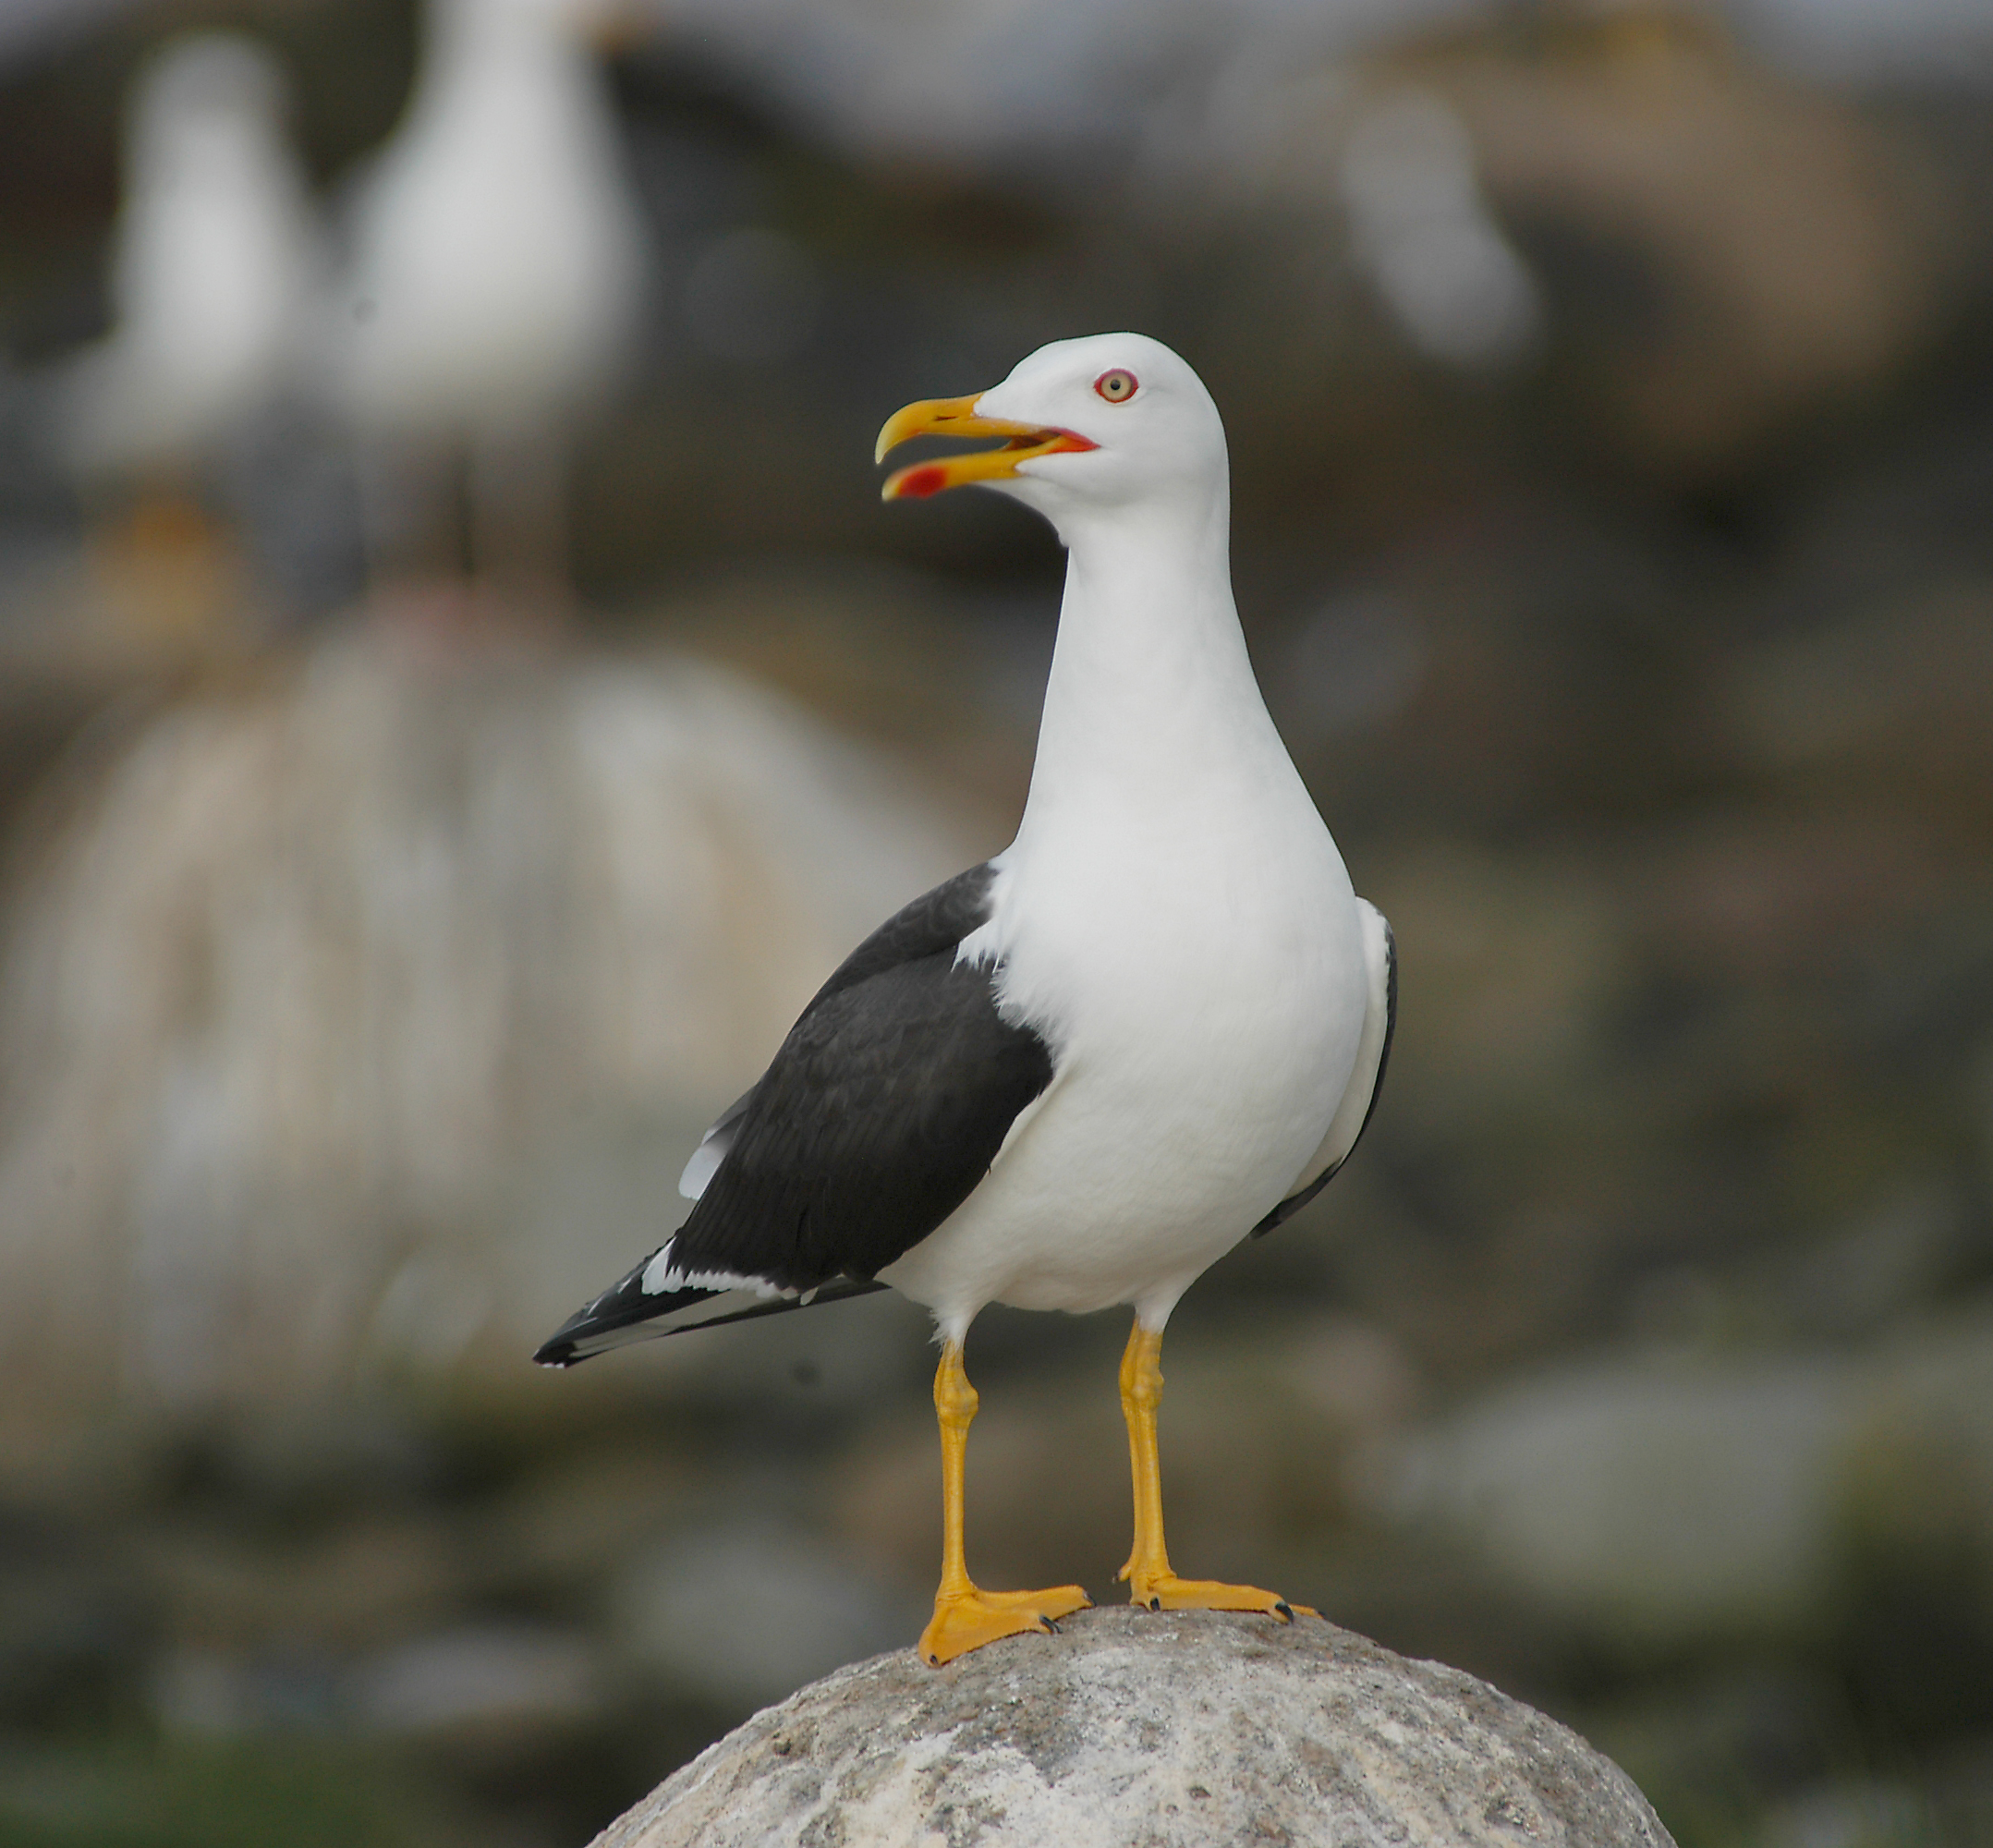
[487,60]
[1152,715]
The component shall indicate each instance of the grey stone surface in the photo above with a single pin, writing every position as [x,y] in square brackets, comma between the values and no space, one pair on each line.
[1164,1731]
[481,936]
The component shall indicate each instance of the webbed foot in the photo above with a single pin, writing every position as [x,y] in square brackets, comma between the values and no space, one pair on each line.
[967,1620]
[1165,1591]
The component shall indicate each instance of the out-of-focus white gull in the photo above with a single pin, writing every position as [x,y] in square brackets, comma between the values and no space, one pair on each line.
[1423,234]
[498,257]
[214,272]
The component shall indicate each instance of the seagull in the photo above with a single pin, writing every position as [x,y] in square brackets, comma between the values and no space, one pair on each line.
[1076,1075]
[217,264]
[500,259]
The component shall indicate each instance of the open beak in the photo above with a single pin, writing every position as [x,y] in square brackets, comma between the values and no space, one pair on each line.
[956,417]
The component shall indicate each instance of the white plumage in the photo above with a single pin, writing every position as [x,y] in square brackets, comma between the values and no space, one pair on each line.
[215,270]
[499,264]
[498,252]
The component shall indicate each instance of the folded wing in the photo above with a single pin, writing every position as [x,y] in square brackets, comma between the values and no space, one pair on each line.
[879,1116]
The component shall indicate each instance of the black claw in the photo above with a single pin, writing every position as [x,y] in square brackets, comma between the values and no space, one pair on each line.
[1052,1628]
[1286,1611]
[1155,1604]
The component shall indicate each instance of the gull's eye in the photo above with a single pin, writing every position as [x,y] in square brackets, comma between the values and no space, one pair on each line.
[1117,387]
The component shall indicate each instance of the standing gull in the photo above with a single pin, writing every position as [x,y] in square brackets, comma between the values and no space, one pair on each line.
[216,265]
[1077,1075]
[499,264]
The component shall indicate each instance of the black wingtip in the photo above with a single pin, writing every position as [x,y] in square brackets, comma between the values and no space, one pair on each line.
[595,1326]
[628,1313]
[563,1348]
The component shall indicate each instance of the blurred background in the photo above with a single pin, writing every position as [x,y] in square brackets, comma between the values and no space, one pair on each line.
[459,693]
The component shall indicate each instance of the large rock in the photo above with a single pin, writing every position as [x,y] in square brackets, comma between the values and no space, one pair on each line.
[1129,1727]
[359,1019]
[1692,1498]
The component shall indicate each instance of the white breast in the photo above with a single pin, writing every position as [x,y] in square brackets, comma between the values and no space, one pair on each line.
[1202,985]
[1173,918]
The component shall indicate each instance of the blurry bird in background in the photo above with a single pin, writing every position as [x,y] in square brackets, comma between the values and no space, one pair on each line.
[499,260]
[216,268]
[1422,234]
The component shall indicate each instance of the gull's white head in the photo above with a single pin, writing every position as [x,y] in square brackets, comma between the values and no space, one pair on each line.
[1106,422]
[209,103]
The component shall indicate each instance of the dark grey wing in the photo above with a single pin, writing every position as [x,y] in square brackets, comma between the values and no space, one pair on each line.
[936,920]
[880,1114]
[1367,1079]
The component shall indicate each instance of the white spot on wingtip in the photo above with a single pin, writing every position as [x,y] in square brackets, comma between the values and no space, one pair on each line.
[660,1277]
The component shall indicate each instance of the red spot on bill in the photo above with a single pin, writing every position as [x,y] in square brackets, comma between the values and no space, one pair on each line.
[919,483]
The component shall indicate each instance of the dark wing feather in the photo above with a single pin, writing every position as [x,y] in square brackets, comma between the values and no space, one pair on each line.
[937,920]
[877,1118]
[628,1312]
[884,1108]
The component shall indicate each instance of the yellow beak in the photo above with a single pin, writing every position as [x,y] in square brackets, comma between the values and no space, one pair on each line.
[956,417]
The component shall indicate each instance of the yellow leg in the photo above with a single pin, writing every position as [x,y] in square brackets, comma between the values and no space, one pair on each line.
[1151,1581]
[965,1618]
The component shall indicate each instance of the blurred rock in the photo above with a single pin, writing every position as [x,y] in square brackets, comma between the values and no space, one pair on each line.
[1350,666]
[1063,91]
[1130,1727]
[72,1633]
[742,1615]
[219,1587]
[1355,1377]
[1656,1500]
[487,1682]
[1898,690]
[308,974]
[1870,1814]
[209,1694]
[1517,963]
[574,1520]
[1918,1507]
[1723,250]
[1890,1260]
[1704,1746]
[952,680]
[482,1686]
[1677,1499]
